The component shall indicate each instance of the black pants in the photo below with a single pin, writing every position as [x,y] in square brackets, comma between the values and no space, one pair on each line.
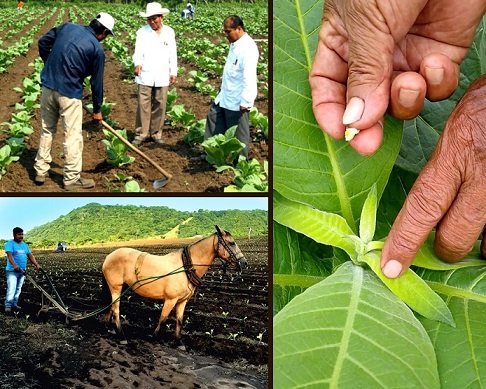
[220,119]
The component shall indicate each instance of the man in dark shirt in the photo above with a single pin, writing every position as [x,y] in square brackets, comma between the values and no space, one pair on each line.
[70,53]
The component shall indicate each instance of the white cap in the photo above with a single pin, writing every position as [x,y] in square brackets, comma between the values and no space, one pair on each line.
[106,20]
[154,9]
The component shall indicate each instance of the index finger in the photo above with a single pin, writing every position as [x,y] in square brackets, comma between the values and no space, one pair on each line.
[428,201]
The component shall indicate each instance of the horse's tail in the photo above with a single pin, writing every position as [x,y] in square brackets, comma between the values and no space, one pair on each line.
[105,294]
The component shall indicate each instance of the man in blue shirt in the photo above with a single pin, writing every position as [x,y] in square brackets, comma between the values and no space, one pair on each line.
[70,53]
[17,254]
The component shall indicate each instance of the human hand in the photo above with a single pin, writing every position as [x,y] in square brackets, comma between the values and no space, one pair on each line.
[244,109]
[449,193]
[97,117]
[377,54]
[172,80]
[138,70]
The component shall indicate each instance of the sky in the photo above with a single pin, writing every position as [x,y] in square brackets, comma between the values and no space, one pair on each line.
[30,212]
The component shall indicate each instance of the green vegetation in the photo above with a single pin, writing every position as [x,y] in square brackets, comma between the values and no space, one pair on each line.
[249,176]
[335,314]
[223,149]
[116,150]
[95,223]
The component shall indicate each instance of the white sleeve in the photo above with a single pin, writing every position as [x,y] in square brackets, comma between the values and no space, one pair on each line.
[173,56]
[138,54]
[249,92]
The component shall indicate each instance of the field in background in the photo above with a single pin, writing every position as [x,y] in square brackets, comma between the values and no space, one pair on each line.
[202,48]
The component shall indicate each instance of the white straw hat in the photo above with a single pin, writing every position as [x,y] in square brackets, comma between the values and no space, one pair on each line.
[154,9]
[107,21]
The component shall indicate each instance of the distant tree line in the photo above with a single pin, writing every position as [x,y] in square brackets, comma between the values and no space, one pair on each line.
[142,3]
[95,223]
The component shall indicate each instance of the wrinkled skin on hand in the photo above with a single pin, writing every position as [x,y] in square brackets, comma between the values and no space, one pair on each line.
[388,54]
[450,192]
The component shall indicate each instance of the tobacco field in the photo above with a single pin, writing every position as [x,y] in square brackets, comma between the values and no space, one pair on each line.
[202,49]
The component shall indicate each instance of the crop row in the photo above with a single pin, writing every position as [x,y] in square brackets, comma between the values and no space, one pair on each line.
[249,175]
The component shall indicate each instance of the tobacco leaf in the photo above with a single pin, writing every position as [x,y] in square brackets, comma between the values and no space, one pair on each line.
[350,331]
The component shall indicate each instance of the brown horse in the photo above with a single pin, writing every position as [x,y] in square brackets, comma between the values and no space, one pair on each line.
[172,277]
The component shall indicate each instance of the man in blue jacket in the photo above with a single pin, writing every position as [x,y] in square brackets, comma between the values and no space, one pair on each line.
[18,253]
[71,53]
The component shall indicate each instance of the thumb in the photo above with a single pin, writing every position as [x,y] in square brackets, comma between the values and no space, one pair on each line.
[373,35]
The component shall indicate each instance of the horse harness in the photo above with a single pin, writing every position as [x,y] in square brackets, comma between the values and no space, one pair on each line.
[189,268]
[223,243]
[187,261]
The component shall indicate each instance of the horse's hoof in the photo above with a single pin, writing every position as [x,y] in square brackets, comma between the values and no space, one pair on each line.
[113,332]
[181,347]
[123,342]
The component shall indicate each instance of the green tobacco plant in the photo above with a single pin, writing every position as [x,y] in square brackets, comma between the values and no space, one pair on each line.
[171,99]
[105,108]
[19,126]
[259,121]
[17,146]
[129,184]
[195,134]
[6,158]
[30,93]
[179,115]
[249,176]
[338,322]
[116,150]
[223,149]
[197,78]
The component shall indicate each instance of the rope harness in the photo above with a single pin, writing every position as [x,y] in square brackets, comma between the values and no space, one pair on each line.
[189,268]
[223,243]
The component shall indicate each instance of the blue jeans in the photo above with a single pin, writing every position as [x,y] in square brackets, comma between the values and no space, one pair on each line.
[15,280]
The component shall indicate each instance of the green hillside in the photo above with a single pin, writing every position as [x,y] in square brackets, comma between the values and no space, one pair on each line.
[95,223]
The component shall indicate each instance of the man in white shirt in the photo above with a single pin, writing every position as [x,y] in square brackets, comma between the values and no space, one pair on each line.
[155,60]
[239,87]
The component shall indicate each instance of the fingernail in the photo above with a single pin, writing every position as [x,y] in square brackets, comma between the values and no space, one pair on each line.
[434,75]
[407,98]
[354,110]
[392,268]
